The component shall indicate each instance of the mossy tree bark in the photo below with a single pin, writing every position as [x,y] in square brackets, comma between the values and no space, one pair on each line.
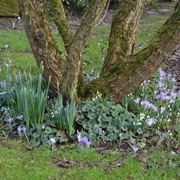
[56,12]
[41,40]
[130,71]
[122,71]
[123,31]
[73,63]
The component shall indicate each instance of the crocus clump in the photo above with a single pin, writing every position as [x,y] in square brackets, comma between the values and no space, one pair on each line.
[83,140]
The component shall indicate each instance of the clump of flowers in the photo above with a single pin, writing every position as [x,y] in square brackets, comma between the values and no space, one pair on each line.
[151,121]
[83,140]
[157,102]
[148,105]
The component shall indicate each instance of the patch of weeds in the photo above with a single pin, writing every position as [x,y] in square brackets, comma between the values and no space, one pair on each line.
[163,159]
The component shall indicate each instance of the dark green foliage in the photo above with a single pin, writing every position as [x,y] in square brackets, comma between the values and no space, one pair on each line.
[103,120]
[41,135]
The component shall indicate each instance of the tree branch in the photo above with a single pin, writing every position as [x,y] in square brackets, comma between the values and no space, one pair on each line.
[123,31]
[73,63]
[129,72]
[56,12]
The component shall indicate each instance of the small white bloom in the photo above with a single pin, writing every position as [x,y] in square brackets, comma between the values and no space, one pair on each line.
[142,116]
[137,100]
[53,140]
[173,153]
[169,120]
[163,109]
[151,121]
[18,18]
[6,46]
[13,25]
[20,117]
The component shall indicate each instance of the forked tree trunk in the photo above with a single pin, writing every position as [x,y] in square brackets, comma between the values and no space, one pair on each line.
[122,71]
[73,63]
[129,72]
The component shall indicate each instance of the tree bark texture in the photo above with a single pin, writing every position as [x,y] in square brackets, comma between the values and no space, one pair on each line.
[41,40]
[73,63]
[57,14]
[123,31]
[129,72]
[122,71]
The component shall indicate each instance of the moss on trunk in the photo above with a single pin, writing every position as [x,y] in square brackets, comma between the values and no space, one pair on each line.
[129,72]
[9,8]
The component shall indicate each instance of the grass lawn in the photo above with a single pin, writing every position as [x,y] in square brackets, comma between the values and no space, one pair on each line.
[20,53]
[17,162]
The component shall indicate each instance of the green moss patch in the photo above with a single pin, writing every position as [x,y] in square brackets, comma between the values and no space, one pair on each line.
[9,8]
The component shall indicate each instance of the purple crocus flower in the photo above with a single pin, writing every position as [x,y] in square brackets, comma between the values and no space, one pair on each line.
[151,121]
[174,87]
[10,120]
[174,95]
[178,93]
[162,94]
[165,96]
[161,85]
[16,76]
[83,140]
[100,131]
[162,73]
[88,78]
[21,129]
[148,105]
[134,148]
[3,84]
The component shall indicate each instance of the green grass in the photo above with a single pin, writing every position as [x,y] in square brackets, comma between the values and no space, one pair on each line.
[20,52]
[148,28]
[16,162]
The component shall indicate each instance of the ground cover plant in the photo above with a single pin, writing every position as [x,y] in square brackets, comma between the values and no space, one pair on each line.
[95,138]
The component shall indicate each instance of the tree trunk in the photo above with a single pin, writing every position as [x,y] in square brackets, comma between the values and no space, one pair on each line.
[41,40]
[73,63]
[123,32]
[122,71]
[128,73]
[57,14]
